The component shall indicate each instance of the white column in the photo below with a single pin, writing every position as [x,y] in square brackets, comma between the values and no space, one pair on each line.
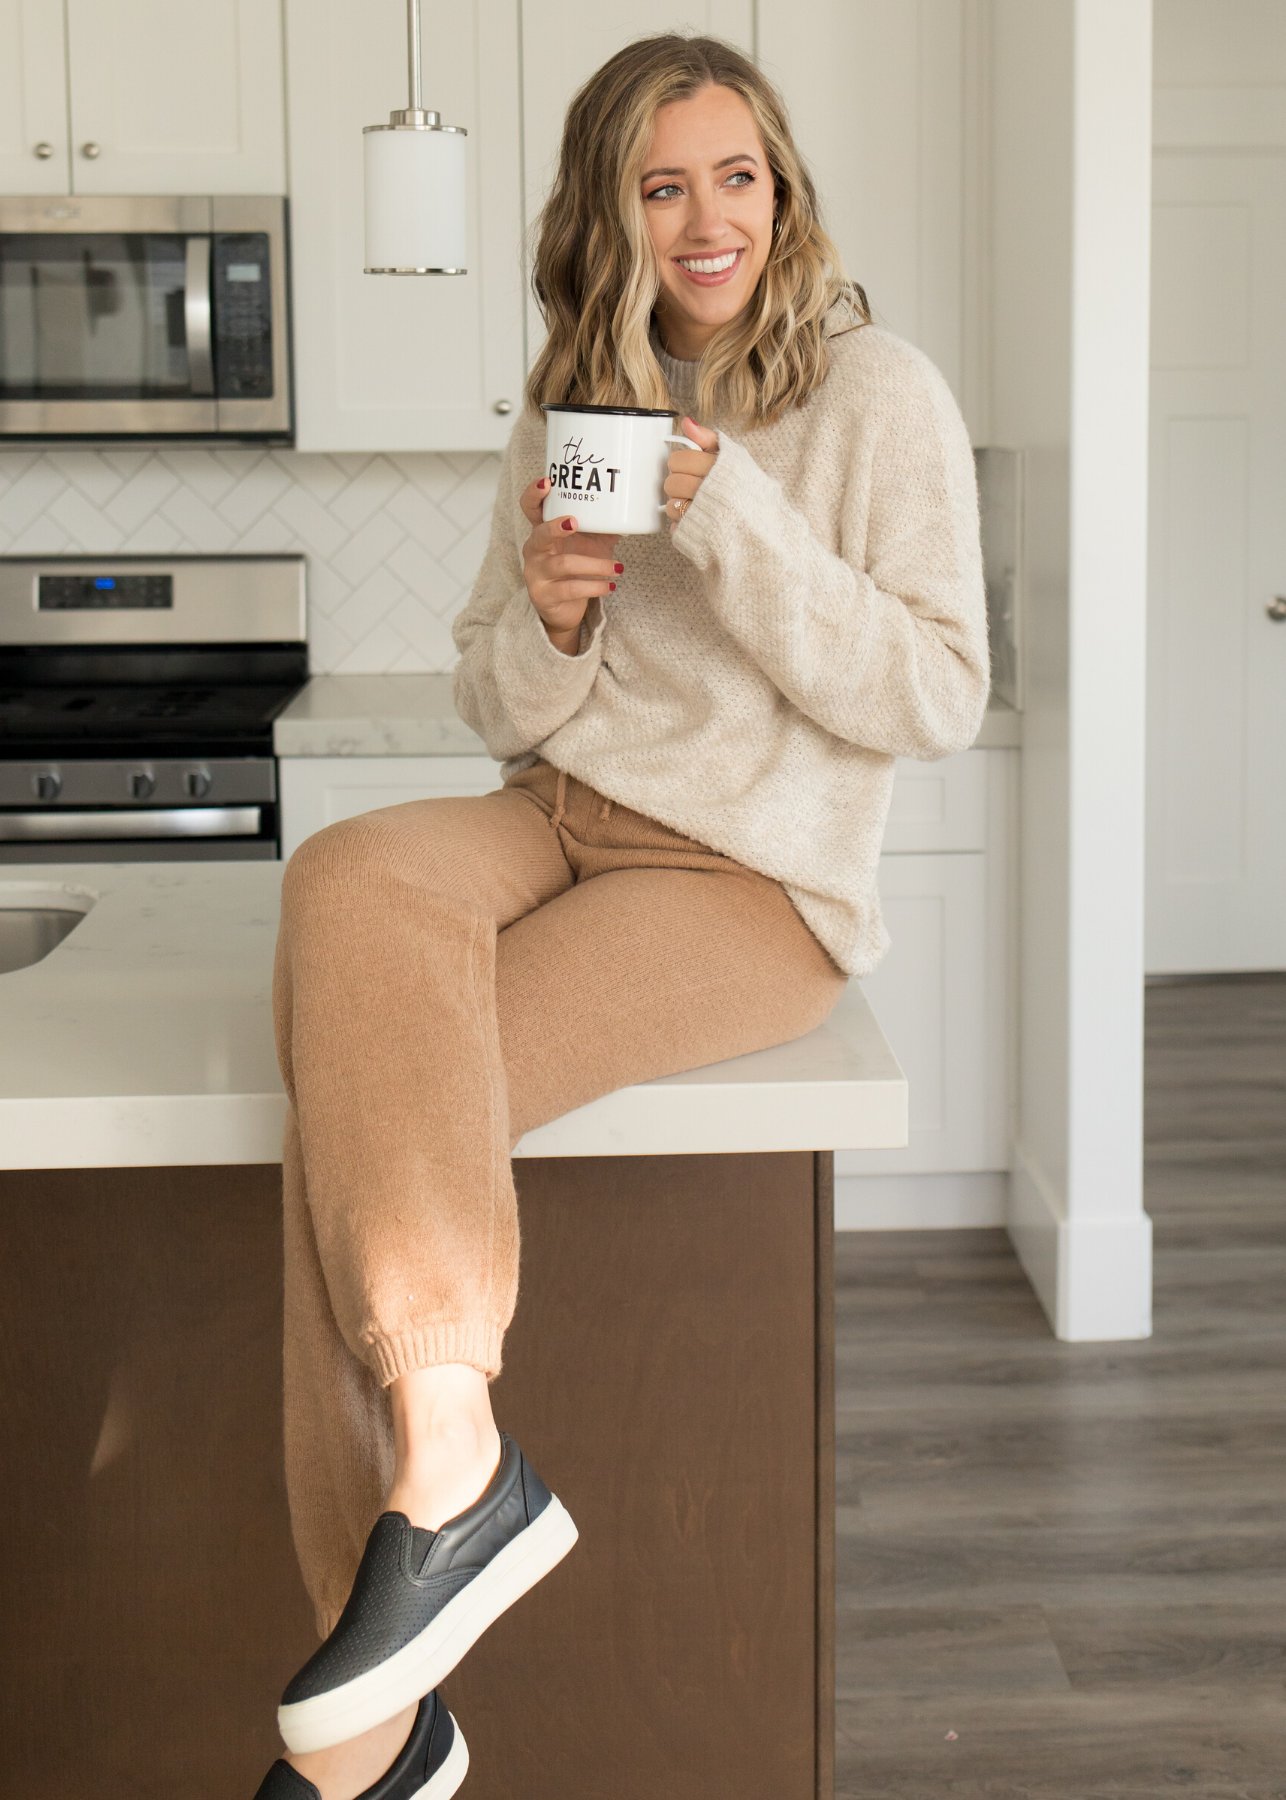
[1072,103]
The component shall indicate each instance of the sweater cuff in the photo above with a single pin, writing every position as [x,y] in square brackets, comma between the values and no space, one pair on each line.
[732,497]
[540,687]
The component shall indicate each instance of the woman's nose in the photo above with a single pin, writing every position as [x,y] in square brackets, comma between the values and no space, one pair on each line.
[705,218]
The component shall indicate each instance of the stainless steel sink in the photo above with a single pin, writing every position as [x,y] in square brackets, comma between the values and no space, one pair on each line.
[34,919]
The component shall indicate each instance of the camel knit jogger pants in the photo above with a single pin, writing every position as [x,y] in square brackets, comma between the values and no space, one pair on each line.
[451,973]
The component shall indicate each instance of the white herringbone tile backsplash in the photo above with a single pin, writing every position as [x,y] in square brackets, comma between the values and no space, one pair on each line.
[393,542]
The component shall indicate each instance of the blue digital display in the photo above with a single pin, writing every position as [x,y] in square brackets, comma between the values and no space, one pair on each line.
[104,583]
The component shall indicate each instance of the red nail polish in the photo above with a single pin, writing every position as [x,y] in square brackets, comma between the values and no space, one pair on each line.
[543,482]
[568,525]
[611,587]
[619,567]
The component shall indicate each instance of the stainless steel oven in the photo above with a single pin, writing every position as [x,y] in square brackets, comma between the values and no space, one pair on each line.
[137,696]
[144,317]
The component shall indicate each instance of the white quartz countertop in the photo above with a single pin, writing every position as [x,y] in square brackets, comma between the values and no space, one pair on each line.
[145,1038]
[413,715]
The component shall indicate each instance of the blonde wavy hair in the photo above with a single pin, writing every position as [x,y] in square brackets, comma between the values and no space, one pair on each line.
[596,276]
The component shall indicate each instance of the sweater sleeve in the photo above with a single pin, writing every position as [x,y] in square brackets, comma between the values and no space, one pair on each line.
[511,684]
[885,644]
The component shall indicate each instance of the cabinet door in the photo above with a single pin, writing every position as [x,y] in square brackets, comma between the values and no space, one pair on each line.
[939,805]
[389,362]
[33,98]
[557,61]
[934,997]
[320,790]
[178,96]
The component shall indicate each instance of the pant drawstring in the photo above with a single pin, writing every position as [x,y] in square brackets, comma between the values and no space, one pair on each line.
[605,812]
[560,801]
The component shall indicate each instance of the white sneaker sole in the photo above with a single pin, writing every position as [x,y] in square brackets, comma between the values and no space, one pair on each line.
[448,1778]
[418,1667]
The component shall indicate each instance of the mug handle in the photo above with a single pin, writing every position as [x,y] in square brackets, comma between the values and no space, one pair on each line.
[687,445]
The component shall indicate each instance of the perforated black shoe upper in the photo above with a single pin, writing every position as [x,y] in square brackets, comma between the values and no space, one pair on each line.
[407,1575]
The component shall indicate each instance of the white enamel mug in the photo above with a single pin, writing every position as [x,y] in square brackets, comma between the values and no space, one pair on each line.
[607,466]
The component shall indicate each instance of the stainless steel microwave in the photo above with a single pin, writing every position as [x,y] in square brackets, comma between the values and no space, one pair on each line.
[144,317]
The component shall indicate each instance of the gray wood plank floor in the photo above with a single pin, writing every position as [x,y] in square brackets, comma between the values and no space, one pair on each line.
[1073,1557]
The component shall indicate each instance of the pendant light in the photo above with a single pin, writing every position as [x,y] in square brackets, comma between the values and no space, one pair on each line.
[415,184]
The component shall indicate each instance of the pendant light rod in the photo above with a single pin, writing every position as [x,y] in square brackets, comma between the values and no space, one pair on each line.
[414,114]
[413,54]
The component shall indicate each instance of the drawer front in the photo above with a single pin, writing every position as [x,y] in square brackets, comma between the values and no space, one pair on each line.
[940,805]
[320,790]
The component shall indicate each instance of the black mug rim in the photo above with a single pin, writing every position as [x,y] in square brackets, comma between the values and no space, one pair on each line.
[625,412]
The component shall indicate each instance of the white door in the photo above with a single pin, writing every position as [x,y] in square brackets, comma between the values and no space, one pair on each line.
[557,60]
[176,96]
[386,362]
[1216,897]
[33,98]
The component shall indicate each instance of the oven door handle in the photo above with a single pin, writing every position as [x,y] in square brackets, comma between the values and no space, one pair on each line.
[196,314]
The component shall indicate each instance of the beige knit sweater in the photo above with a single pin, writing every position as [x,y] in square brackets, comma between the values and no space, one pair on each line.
[819,611]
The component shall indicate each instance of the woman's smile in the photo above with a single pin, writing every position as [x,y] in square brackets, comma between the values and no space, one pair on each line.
[711,271]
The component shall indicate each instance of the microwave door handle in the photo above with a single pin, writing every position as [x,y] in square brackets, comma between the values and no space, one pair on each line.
[196,314]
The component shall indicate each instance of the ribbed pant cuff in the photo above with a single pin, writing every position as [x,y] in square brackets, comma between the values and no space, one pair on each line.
[477,1345]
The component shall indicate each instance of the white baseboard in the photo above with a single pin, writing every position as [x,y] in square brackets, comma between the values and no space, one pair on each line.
[920,1202]
[1093,1276]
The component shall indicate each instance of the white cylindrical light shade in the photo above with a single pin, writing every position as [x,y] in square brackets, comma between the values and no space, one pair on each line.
[415,200]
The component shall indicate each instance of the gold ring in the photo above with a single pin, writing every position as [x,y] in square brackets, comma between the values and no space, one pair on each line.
[682,506]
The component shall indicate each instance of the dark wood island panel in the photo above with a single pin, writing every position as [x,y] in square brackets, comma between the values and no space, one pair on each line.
[669,1371]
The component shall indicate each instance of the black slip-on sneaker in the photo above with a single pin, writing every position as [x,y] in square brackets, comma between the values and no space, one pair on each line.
[432,1764]
[420,1600]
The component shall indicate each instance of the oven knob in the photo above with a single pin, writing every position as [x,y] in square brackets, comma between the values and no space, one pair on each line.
[198,783]
[142,785]
[47,785]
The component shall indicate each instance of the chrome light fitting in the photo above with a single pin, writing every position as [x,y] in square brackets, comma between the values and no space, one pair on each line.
[415,184]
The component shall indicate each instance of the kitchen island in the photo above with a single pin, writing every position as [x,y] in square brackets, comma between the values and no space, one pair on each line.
[669,1369]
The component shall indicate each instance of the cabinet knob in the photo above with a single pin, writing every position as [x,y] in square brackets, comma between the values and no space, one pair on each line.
[503,407]
[43,150]
[91,150]
[1276,609]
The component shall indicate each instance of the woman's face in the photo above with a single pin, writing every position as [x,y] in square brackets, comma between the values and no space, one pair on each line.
[708,199]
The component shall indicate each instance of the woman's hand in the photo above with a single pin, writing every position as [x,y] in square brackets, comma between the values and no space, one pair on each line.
[688,469]
[564,569]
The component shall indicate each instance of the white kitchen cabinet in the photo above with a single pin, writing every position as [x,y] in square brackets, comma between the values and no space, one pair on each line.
[142,97]
[320,790]
[943,994]
[387,362]
[179,96]
[33,98]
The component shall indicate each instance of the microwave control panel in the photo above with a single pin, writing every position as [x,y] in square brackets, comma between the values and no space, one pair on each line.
[241,303]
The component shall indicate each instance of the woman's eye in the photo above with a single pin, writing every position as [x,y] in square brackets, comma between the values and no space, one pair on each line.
[663,193]
[742,178]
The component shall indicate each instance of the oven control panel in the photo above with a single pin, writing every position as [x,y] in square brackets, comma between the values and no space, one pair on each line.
[103,593]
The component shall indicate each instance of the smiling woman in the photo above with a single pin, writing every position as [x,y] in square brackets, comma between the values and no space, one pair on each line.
[696,145]
[699,731]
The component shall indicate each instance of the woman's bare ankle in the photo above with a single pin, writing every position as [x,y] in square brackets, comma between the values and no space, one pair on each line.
[348,1769]
[448,1447]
